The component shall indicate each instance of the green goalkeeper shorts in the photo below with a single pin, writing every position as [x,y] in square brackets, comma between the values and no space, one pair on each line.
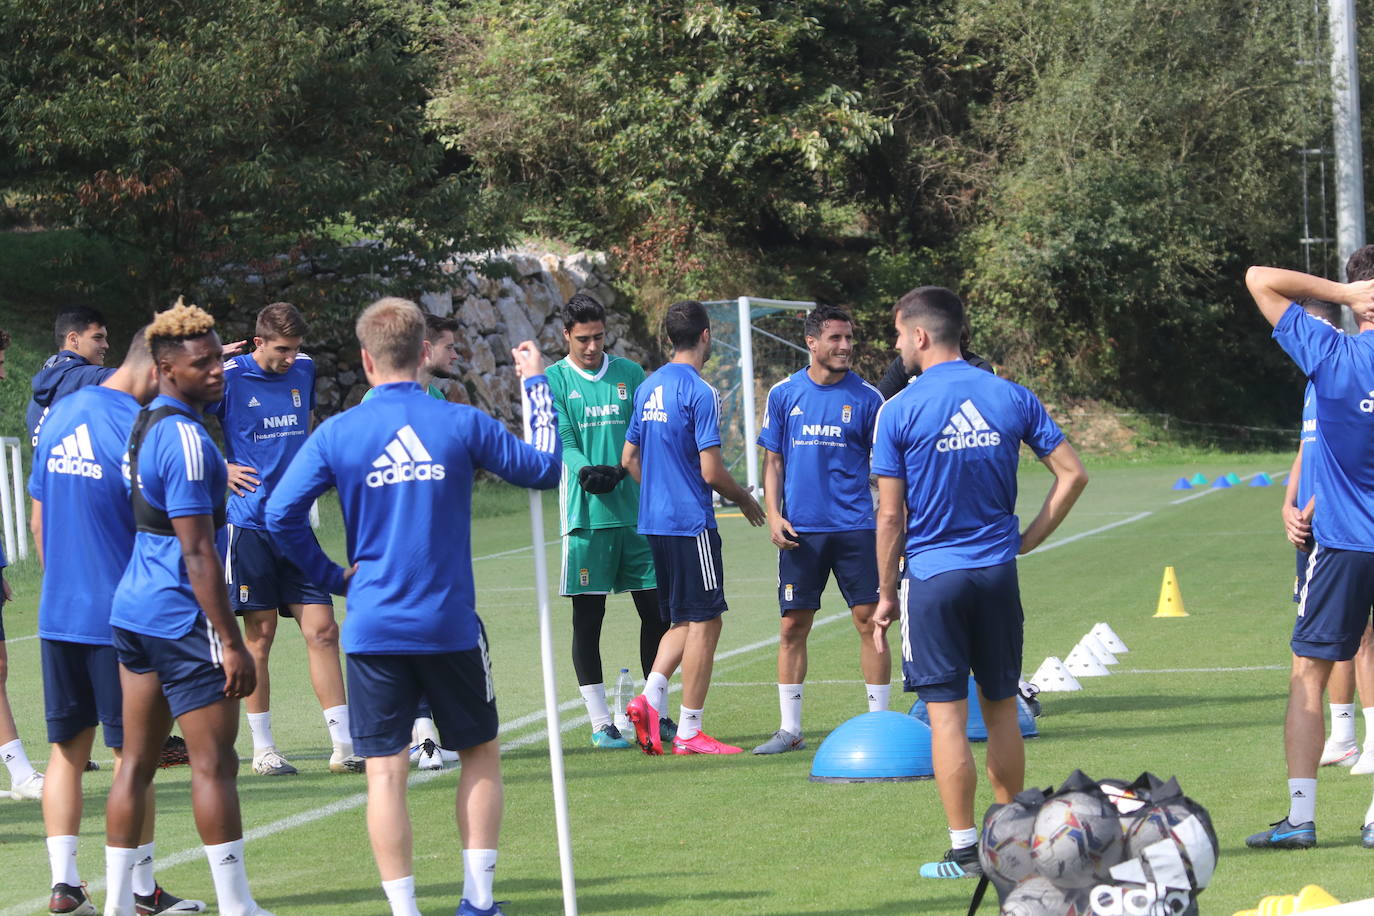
[598,561]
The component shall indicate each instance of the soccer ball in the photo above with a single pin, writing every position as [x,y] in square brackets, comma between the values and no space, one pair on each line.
[1005,846]
[1077,839]
[1038,896]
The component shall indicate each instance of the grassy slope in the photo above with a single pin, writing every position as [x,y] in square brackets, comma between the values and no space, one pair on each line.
[752,834]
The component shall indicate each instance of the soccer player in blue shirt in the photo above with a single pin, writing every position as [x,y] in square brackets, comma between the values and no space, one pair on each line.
[82,342]
[818,425]
[84,528]
[180,651]
[672,449]
[1333,611]
[946,453]
[269,396]
[403,464]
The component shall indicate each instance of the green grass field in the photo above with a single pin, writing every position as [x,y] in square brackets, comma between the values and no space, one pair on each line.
[1201,698]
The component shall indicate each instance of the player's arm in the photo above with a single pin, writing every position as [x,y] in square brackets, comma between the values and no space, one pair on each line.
[718,478]
[536,464]
[36,528]
[196,534]
[243,479]
[1274,289]
[308,476]
[784,536]
[629,460]
[1297,520]
[890,526]
[1069,480]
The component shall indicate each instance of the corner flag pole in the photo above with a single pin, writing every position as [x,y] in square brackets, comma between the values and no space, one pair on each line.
[560,786]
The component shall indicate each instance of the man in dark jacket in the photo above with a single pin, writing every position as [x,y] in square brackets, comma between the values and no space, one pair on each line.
[79,361]
[899,375]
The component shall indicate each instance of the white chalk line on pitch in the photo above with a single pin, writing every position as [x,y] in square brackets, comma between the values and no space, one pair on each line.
[359,799]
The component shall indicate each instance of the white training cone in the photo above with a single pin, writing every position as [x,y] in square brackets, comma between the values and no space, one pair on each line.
[1053,677]
[1109,638]
[1082,663]
[1094,645]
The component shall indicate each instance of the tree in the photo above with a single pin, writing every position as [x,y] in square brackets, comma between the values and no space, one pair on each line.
[197,134]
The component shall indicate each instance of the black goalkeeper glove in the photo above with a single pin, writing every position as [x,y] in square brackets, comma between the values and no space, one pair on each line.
[600,478]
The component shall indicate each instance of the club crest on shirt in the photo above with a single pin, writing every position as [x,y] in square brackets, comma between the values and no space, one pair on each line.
[584,576]
[846,412]
[621,391]
[295,397]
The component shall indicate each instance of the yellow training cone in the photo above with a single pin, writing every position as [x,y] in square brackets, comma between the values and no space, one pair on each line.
[1313,897]
[1170,599]
[1310,898]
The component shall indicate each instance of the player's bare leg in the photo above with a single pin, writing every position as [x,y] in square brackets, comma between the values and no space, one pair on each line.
[875,663]
[259,632]
[698,659]
[388,820]
[1341,748]
[792,659]
[648,709]
[1364,683]
[25,781]
[321,633]
[956,779]
[477,806]
[1006,763]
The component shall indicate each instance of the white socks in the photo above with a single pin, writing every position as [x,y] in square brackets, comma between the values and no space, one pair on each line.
[62,860]
[336,720]
[963,839]
[1343,723]
[16,761]
[144,883]
[1302,801]
[790,704]
[231,878]
[878,696]
[656,691]
[260,725]
[400,893]
[479,869]
[689,723]
[594,695]
[119,880]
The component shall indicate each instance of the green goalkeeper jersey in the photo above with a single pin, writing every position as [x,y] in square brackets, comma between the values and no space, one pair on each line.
[593,413]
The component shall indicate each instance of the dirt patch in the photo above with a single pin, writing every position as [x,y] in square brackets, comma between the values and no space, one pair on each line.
[1096,427]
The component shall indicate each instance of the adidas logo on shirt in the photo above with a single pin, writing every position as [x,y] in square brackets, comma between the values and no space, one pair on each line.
[74,455]
[404,458]
[254,402]
[967,429]
[653,408]
[796,411]
[574,394]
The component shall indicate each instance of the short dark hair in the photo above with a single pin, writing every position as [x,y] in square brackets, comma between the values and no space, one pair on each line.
[684,323]
[1330,312]
[280,319]
[818,316]
[936,309]
[435,326]
[582,309]
[75,318]
[1360,265]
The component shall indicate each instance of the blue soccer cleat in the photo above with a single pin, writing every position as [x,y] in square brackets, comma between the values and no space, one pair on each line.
[467,909]
[957,863]
[608,737]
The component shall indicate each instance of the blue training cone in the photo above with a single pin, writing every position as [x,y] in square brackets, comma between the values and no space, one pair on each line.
[1221,484]
[1181,484]
[1261,480]
[883,746]
[977,728]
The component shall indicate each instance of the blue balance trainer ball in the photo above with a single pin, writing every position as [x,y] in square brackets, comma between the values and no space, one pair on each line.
[883,746]
[977,729]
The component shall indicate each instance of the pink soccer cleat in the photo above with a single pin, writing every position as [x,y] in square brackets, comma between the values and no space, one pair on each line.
[702,743]
[645,719]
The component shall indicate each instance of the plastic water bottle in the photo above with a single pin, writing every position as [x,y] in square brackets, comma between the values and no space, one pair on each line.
[624,693]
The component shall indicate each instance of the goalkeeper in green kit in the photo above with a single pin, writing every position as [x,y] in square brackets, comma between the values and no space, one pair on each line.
[599,506]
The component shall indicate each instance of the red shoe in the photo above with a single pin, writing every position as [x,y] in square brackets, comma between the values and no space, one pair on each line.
[645,719]
[702,743]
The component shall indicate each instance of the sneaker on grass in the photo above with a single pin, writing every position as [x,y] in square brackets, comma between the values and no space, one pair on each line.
[1339,753]
[957,863]
[70,900]
[467,909]
[1283,835]
[159,901]
[1364,764]
[30,788]
[267,762]
[339,762]
[781,742]
[702,743]
[608,738]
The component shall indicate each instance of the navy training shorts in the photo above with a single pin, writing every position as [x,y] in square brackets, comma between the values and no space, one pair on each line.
[1334,604]
[189,666]
[690,575]
[261,578]
[804,570]
[81,690]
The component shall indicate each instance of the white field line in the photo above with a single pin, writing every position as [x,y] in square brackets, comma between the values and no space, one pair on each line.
[359,799]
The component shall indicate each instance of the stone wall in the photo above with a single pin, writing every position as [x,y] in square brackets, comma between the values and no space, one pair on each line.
[494,314]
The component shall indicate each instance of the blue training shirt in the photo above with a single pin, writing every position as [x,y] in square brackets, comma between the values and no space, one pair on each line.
[676,417]
[1341,369]
[403,464]
[265,417]
[823,433]
[954,435]
[182,473]
[1308,439]
[88,523]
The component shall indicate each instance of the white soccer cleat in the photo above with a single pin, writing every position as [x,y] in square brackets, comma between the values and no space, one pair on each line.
[268,762]
[1364,765]
[339,762]
[30,788]
[1340,754]
[429,756]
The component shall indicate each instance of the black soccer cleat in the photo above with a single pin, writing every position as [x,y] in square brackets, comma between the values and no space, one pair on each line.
[70,900]
[159,901]
[1283,835]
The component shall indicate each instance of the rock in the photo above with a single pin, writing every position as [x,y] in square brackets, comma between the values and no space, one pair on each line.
[477,313]
[480,360]
[440,304]
[527,265]
[348,378]
[516,319]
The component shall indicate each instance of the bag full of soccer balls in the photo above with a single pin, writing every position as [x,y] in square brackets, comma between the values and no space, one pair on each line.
[1090,848]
